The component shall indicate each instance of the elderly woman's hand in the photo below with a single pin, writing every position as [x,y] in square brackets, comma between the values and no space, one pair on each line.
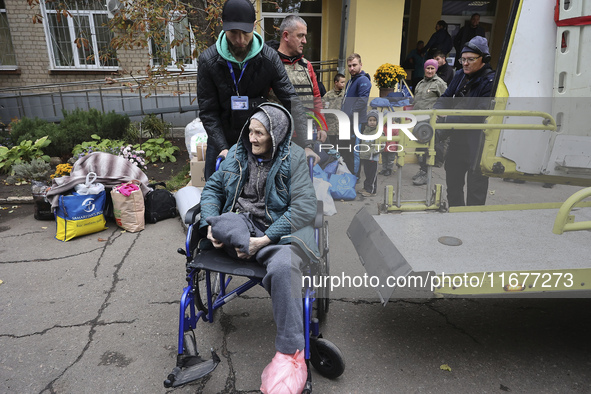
[216,244]
[256,244]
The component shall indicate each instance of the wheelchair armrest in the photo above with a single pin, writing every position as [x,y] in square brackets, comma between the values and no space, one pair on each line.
[192,214]
[319,219]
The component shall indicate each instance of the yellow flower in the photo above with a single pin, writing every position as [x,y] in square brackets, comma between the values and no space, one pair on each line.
[388,75]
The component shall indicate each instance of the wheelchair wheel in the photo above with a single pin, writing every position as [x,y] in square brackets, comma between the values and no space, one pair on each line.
[201,289]
[327,359]
[323,299]
[189,344]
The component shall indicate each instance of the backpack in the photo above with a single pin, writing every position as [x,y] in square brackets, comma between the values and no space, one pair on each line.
[159,204]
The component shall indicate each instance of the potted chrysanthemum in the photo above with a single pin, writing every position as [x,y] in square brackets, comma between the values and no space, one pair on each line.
[387,77]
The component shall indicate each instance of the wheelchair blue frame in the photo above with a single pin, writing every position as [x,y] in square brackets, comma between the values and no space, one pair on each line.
[326,358]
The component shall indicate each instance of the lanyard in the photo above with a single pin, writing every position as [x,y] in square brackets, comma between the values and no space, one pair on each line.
[234,76]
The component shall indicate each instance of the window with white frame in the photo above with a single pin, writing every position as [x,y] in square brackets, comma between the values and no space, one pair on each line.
[178,32]
[273,13]
[82,39]
[7,54]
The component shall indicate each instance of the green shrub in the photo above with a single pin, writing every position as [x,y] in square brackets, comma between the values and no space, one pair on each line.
[158,149]
[113,126]
[97,145]
[27,129]
[155,127]
[23,153]
[76,127]
[35,170]
[133,132]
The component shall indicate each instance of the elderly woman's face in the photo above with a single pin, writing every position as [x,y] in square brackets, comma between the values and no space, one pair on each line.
[260,139]
[430,71]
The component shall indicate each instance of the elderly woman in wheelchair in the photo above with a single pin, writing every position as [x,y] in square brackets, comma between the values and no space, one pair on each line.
[260,207]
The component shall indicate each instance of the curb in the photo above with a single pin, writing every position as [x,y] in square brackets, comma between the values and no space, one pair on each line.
[17,200]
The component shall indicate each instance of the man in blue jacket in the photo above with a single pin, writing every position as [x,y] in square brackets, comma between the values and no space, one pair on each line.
[355,102]
[470,88]
[266,178]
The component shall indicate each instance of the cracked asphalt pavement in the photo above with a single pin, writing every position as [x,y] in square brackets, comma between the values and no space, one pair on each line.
[100,314]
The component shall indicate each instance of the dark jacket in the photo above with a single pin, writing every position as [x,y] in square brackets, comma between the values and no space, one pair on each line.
[446,72]
[439,40]
[462,93]
[215,88]
[356,96]
[290,198]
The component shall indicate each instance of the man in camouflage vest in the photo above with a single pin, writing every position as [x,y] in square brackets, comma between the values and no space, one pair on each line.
[293,32]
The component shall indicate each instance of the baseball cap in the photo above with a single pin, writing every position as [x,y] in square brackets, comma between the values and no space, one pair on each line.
[238,15]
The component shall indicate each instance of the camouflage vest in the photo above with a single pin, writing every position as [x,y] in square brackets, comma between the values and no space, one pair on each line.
[300,79]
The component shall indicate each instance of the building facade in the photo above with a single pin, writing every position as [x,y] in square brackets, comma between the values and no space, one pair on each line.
[60,53]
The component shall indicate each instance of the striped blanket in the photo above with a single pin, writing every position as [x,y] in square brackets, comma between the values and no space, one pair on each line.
[111,171]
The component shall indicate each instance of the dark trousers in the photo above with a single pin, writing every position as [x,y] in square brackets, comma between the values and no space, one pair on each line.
[458,172]
[422,158]
[348,154]
[370,168]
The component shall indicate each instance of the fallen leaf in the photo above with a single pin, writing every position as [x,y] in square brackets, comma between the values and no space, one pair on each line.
[102,240]
[123,231]
[17,184]
[44,228]
[492,192]
[10,211]
[445,367]
[1,281]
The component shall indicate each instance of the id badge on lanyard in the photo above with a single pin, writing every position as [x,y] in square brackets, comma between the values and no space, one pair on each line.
[238,102]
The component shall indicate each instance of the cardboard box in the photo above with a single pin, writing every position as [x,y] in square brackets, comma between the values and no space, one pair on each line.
[200,149]
[197,172]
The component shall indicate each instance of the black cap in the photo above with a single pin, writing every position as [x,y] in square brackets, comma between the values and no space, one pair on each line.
[238,15]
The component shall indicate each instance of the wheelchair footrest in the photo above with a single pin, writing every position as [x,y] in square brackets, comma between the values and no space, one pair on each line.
[198,369]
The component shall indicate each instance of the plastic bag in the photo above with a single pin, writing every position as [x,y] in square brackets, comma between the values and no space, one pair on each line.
[285,374]
[89,187]
[323,194]
[342,187]
[342,167]
[194,133]
[78,215]
[318,172]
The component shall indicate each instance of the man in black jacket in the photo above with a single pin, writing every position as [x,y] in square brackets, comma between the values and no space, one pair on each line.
[440,40]
[470,30]
[234,76]
[470,88]
[444,71]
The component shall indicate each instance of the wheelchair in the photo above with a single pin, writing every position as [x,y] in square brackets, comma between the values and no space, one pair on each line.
[209,273]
